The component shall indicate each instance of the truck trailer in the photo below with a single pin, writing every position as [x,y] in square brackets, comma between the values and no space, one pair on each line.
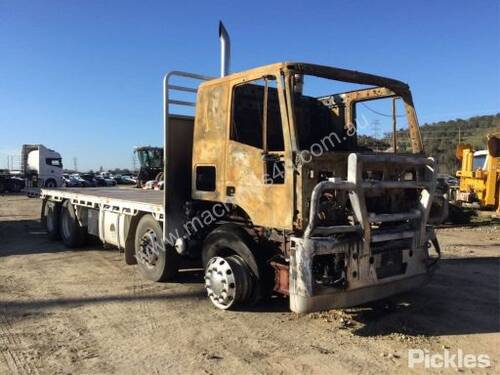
[269,191]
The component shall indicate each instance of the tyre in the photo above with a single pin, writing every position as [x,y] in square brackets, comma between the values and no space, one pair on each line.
[2,187]
[155,261]
[72,233]
[50,219]
[50,183]
[227,241]
[228,282]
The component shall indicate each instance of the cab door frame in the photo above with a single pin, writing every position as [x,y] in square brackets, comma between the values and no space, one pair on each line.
[270,205]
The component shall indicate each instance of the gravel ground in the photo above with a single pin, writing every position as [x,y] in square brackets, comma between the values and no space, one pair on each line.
[86,312]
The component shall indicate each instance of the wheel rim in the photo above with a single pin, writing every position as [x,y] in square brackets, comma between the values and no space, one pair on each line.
[227,281]
[150,246]
[66,225]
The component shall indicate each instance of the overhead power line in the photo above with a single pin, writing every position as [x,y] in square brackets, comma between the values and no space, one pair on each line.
[379,113]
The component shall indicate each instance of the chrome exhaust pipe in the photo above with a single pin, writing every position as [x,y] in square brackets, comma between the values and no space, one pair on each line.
[225,50]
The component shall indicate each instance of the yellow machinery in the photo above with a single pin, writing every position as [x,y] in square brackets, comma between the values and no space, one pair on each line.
[480,174]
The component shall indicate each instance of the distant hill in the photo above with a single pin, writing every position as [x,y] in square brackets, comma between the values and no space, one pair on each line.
[441,138]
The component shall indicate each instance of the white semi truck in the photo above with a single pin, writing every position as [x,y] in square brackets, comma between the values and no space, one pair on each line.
[250,197]
[41,166]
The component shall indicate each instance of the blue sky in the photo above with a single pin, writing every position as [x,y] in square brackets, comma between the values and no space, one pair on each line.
[84,77]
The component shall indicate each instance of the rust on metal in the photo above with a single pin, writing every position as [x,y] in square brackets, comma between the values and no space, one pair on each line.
[281,277]
[240,169]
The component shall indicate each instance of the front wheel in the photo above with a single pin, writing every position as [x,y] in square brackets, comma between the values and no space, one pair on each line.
[228,282]
[155,261]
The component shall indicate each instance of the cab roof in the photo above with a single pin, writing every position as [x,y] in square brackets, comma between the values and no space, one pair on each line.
[323,71]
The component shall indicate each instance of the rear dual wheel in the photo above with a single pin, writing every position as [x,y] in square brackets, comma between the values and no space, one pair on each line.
[61,222]
[72,233]
[50,219]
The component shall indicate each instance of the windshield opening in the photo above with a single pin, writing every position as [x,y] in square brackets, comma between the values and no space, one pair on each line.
[54,162]
[382,126]
[347,116]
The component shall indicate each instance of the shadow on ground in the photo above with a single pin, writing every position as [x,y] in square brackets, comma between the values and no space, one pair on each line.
[24,307]
[462,298]
[25,237]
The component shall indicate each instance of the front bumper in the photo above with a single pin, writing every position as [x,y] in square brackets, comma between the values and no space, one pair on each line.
[365,276]
[370,261]
[342,299]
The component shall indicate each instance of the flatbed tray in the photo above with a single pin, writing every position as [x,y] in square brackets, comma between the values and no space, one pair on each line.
[121,198]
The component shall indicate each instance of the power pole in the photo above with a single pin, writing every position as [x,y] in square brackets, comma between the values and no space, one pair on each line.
[394,127]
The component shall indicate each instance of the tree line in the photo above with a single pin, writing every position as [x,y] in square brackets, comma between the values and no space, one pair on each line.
[441,138]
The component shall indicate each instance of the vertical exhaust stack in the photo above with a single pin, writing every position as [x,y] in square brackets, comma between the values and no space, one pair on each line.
[225,50]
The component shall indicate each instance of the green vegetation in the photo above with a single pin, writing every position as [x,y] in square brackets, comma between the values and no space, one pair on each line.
[441,138]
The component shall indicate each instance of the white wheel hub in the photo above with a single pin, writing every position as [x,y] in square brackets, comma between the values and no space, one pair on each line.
[220,283]
[228,281]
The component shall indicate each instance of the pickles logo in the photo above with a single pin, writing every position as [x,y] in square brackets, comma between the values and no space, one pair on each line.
[446,359]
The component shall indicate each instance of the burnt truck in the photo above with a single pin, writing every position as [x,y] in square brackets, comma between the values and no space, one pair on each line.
[269,191]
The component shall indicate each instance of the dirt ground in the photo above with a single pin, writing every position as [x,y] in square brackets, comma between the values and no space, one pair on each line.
[86,312]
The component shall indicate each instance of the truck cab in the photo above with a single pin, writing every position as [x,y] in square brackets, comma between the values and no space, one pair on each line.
[335,223]
[42,167]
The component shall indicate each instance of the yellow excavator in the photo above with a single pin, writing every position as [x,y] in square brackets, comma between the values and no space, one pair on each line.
[479,174]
